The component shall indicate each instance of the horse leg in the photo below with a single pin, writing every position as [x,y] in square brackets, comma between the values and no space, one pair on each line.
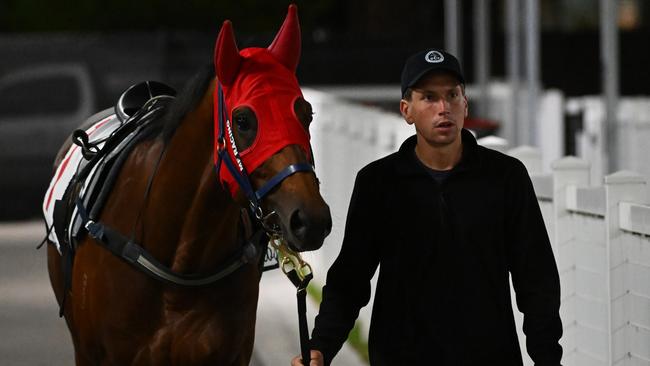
[54,267]
[81,360]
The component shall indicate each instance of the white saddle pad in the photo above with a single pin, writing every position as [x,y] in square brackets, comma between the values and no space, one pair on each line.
[68,168]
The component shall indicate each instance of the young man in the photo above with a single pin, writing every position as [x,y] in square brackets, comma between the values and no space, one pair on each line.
[446,221]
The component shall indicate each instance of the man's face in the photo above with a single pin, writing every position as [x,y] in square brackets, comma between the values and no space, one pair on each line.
[437,108]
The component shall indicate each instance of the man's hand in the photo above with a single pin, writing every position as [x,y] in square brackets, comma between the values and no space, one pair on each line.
[317,359]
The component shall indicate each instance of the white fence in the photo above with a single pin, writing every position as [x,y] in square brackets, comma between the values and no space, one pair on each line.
[633,126]
[600,236]
[600,232]
[633,117]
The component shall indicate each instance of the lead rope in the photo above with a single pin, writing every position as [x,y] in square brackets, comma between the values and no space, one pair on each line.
[299,273]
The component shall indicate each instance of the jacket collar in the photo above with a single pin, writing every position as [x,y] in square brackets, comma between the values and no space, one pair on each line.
[408,164]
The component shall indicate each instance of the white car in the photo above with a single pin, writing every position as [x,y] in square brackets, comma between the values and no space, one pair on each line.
[39,107]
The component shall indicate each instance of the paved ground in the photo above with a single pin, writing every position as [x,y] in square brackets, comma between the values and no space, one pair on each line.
[31,331]
[32,334]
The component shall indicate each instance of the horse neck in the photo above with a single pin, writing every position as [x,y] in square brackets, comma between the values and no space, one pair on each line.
[194,216]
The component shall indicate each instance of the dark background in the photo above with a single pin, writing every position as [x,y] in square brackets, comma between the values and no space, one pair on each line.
[122,42]
[344,42]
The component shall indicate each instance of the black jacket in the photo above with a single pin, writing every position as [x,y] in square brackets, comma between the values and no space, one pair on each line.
[445,252]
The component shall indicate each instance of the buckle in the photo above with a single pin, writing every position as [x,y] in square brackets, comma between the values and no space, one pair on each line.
[221,144]
[289,259]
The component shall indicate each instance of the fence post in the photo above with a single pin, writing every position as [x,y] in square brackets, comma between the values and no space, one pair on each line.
[530,156]
[568,171]
[494,142]
[622,186]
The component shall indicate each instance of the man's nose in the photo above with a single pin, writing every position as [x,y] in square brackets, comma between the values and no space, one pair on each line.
[444,105]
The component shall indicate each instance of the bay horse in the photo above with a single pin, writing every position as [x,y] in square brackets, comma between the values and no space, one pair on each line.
[237,139]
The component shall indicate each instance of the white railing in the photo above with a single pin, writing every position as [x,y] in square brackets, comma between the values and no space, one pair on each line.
[600,233]
[633,116]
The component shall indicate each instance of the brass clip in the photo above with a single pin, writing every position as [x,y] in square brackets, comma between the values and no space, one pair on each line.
[288,259]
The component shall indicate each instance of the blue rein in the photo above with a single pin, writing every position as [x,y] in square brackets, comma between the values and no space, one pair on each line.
[254,197]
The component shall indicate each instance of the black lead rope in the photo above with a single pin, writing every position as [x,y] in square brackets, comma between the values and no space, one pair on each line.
[301,297]
[305,342]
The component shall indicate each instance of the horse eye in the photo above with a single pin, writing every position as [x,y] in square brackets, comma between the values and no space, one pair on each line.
[243,124]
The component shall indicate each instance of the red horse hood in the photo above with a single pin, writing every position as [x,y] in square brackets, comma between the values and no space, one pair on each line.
[264,80]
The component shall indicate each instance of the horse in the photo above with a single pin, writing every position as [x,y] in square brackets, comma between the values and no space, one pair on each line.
[229,157]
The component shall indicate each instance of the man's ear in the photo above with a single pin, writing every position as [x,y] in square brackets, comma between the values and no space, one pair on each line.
[405,110]
[466,106]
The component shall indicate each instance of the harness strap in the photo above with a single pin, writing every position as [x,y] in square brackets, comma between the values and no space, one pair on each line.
[47,235]
[278,178]
[67,252]
[223,157]
[88,150]
[137,256]
[242,179]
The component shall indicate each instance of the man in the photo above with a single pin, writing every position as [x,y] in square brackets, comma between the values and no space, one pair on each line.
[446,221]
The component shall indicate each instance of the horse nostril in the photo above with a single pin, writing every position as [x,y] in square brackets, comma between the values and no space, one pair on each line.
[298,225]
[309,231]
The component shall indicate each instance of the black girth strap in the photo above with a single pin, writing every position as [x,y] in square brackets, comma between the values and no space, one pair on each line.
[137,256]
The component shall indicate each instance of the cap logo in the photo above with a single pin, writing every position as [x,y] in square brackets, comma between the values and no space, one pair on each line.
[434,57]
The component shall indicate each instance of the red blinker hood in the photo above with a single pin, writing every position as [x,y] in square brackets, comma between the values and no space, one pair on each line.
[264,80]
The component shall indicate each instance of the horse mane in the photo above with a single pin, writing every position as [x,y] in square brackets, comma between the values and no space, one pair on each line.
[187,100]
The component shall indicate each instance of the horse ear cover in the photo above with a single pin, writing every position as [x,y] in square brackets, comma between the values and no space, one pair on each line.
[227,59]
[286,46]
[264,80]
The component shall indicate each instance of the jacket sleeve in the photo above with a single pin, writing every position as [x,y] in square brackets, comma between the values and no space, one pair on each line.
[347,287]
[534,271]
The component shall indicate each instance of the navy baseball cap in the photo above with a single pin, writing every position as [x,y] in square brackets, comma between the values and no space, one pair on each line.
[428,60]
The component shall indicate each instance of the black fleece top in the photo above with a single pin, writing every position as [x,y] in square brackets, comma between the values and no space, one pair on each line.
[444,253]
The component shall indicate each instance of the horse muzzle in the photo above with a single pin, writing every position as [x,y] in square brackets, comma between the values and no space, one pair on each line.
[308,228]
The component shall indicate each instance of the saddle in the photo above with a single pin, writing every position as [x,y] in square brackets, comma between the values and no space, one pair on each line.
[103,147]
